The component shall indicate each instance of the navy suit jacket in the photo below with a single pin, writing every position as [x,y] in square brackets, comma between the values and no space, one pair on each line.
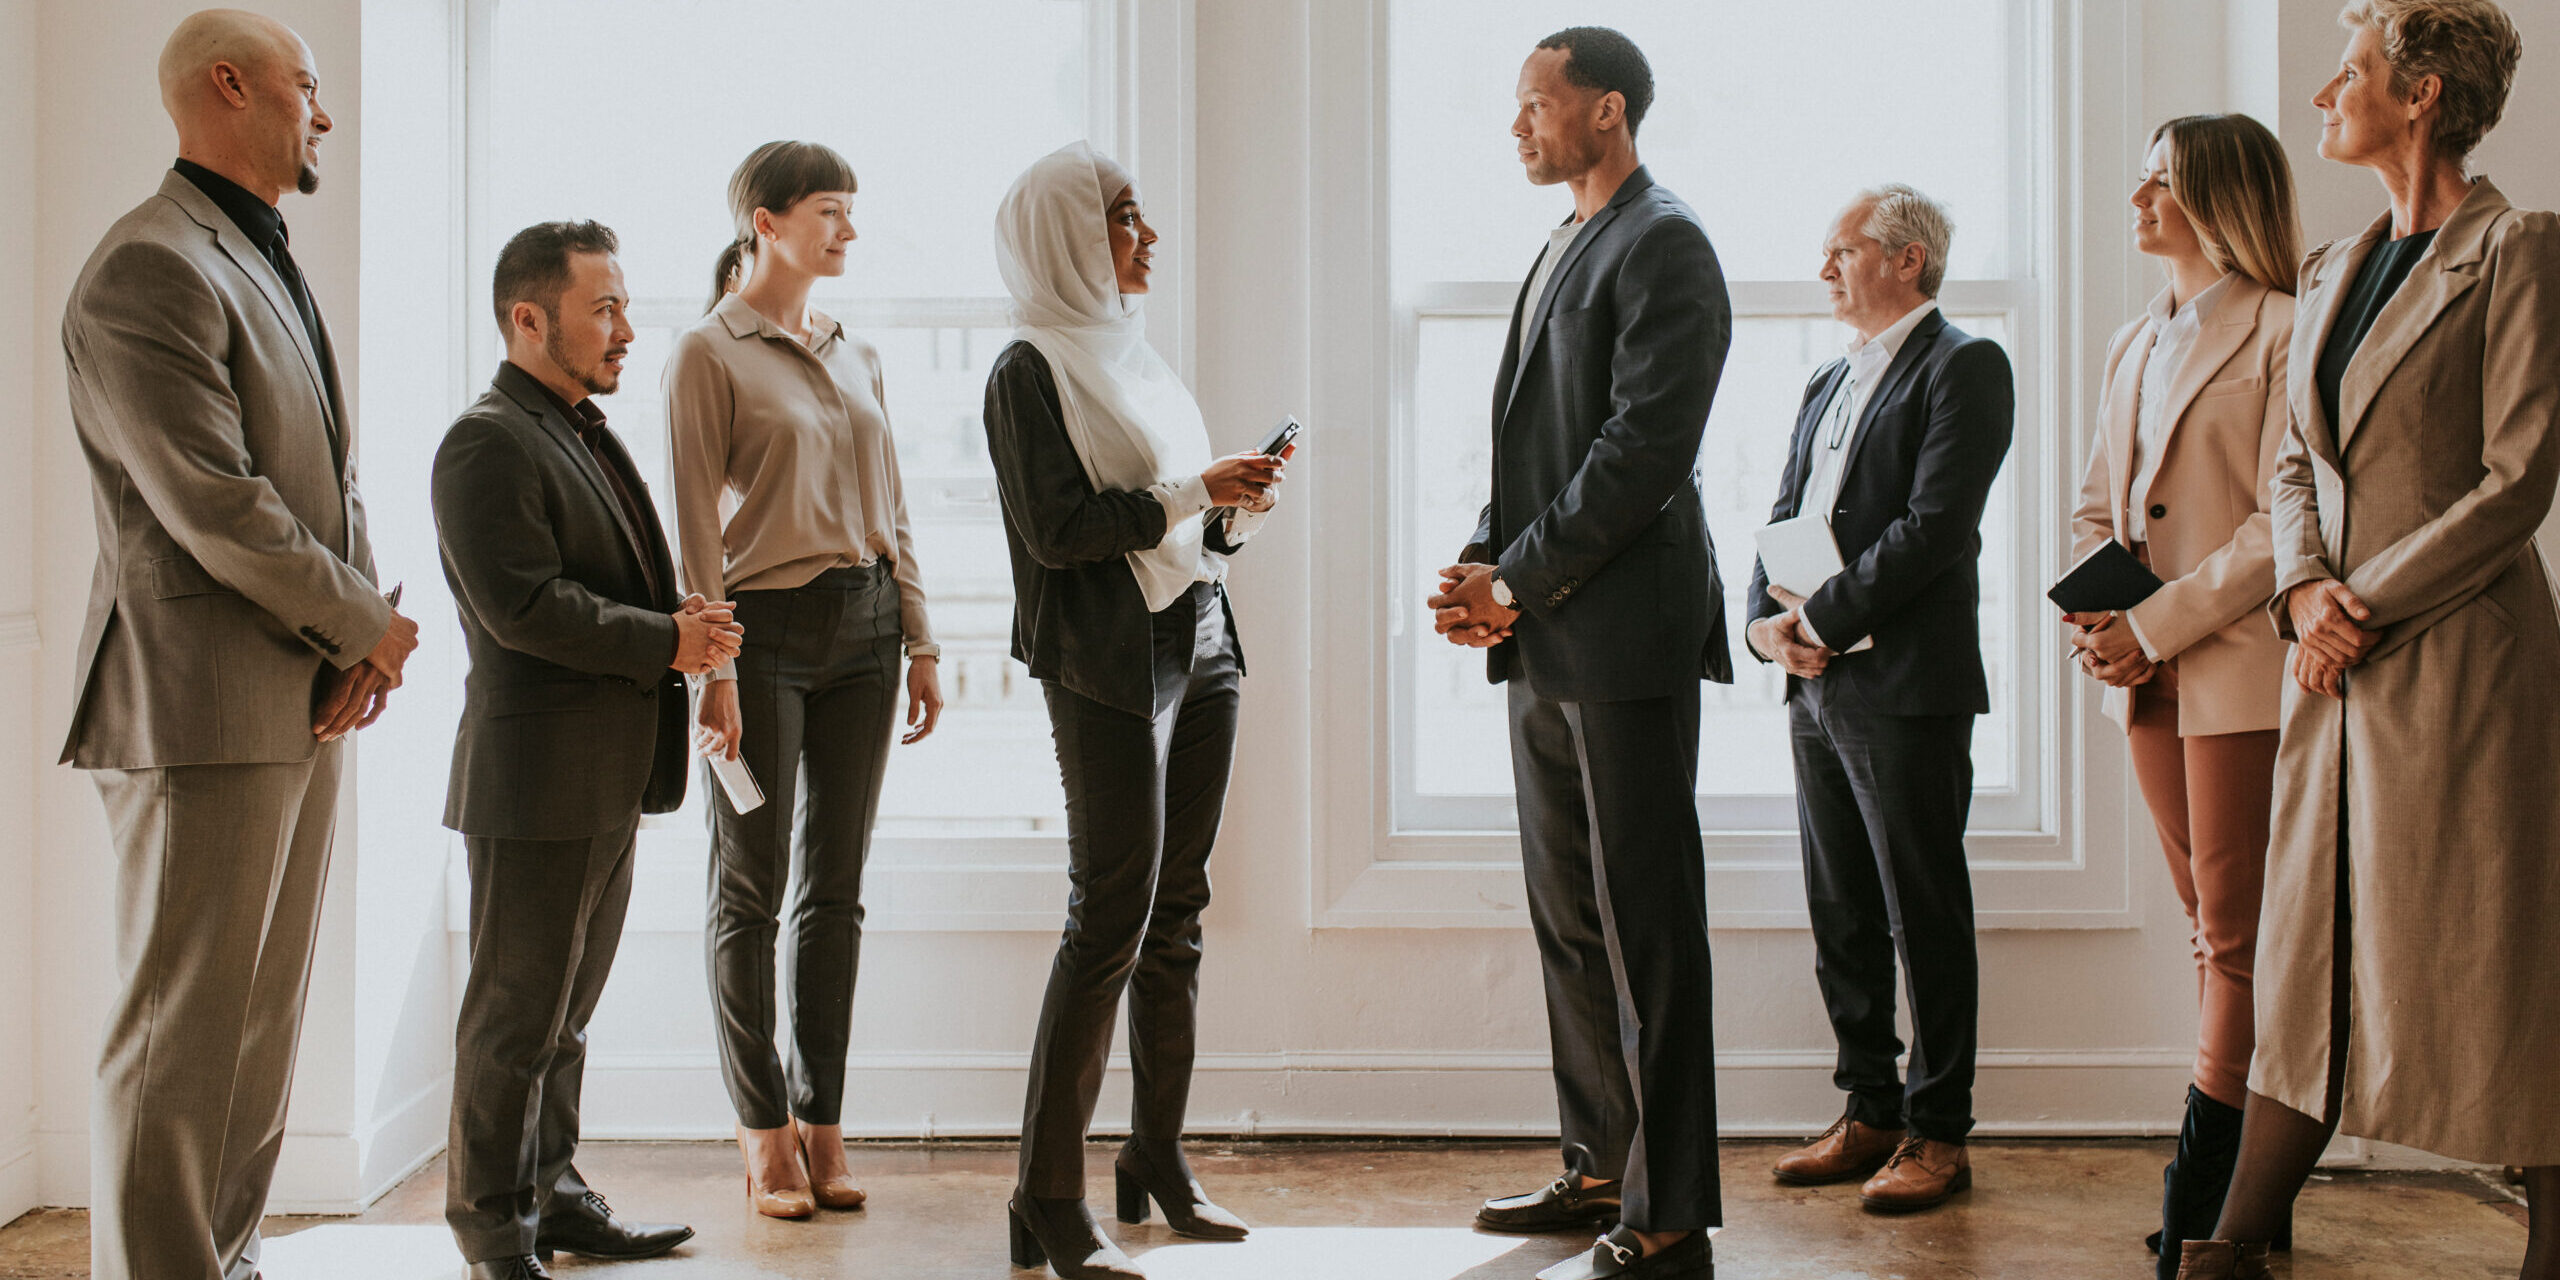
[1596,522]
[1908,520]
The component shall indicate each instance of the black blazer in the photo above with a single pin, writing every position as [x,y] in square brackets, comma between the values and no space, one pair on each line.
[1596,521]
[1909,523]
[1078,617]
[572,725]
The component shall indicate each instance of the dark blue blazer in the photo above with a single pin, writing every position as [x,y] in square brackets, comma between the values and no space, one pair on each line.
[1909,524]
[1596,522]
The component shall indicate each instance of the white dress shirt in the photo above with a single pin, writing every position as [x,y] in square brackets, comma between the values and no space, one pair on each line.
[1868,360]
[1558,241]
[2173,336]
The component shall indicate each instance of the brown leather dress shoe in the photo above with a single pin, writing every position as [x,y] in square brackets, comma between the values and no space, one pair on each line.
[1846,1152]
[2222,1260]
[1921,1175]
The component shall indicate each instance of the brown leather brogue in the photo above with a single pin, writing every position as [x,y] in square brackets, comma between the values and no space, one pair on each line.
[1921,1174]
[2222,1260]
[1846,1152]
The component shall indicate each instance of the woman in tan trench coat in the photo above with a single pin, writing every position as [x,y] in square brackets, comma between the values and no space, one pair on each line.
[2404,986]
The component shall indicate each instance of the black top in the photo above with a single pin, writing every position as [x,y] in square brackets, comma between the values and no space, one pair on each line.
[265,228]
[1079,619]
[2380,277]
[587,419]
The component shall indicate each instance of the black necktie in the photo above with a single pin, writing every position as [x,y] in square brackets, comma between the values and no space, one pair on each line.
[281,258]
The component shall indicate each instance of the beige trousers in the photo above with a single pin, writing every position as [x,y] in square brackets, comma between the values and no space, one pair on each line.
[219,878]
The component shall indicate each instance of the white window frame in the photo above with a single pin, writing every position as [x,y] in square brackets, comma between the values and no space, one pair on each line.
[1140,55]
[2047,852]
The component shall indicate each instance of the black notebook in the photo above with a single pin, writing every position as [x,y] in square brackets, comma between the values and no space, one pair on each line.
[2105,580]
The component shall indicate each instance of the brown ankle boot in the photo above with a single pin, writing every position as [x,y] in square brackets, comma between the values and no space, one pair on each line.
[2222,1260]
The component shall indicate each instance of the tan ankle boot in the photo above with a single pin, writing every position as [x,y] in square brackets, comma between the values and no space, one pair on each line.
[2222,1260]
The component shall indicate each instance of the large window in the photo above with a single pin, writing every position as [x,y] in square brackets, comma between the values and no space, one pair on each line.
[635,112]
[1764,122]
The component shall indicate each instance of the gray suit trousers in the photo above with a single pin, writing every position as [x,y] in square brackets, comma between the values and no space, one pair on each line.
[220,873]
[546,919]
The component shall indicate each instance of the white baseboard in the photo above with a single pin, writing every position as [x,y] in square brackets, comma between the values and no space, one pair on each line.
[18,1189]
[678,1095]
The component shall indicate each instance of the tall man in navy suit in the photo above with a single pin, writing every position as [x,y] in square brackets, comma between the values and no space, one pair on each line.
[1591,583]
[1896,446]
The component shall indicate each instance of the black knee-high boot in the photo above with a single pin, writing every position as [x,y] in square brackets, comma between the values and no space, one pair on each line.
[2198,1177]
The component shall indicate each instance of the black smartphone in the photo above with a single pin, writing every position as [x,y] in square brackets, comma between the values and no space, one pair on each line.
[1281,438]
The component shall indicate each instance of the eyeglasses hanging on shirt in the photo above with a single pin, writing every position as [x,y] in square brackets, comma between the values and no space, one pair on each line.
[1840,402]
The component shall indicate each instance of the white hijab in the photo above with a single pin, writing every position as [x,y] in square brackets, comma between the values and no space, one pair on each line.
[1134,425]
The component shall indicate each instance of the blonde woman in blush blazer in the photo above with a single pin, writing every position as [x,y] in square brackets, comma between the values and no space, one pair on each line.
[2405,985]
[2192,414]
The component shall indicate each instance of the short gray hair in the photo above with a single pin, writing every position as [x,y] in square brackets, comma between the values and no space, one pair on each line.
[1901,217]
[2471,44]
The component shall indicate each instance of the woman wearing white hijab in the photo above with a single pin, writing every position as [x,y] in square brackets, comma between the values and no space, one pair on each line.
[1119,523]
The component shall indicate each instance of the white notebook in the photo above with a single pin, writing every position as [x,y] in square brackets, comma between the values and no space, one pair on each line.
[1800,555]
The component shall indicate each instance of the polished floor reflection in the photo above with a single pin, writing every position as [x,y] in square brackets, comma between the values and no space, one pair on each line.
[1397,1211]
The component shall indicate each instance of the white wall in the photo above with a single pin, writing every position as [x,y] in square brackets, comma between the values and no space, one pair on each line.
[19,725]
[1304,1029]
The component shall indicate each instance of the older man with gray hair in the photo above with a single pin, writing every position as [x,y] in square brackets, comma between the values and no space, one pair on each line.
[1895,449]
[234,636]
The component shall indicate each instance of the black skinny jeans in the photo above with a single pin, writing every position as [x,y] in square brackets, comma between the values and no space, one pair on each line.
[1143,800]
[818,684]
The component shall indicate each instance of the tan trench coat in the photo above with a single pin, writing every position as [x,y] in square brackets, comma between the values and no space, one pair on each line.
[2437,778]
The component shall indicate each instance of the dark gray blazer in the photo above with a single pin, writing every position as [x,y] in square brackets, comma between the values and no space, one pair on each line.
[572,724]
[1909,523]
[1596,520]
[1078,617]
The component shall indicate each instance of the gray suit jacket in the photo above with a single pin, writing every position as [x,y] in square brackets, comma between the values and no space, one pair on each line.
[232,558]
[572,724]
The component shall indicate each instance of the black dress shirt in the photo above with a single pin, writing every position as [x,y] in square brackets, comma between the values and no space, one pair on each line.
[587,421]
[259,221]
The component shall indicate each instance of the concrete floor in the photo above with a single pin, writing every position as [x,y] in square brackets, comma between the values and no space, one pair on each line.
[1399,1211]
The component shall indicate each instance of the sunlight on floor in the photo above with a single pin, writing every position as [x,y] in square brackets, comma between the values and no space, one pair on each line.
[375,1253]
[1408,1253]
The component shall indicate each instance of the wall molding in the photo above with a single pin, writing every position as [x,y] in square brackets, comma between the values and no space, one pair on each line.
[665,1095]
[18,1189]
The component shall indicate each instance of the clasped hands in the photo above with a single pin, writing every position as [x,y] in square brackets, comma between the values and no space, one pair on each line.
[1781,637]
[1464,608]
[357,694]
[2329,635]
[2104,646]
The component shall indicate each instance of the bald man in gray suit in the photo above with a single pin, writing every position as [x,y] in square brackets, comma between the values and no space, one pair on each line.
[234,635]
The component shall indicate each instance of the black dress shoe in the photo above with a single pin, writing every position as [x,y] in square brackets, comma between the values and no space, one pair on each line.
[1186,1207]
[1063,1233]
[1621,1254]
[521,1267]
[1557,1206]
[587,1226]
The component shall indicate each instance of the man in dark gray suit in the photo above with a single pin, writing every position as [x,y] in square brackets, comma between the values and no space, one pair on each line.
[1895,448]
[573,725]
[1592,581]
[234,636]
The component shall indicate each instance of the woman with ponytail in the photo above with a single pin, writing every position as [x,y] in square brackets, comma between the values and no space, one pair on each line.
[788,500]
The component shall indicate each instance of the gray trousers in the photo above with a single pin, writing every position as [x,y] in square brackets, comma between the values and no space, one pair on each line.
[219,878]
[1617,873]
[1144,795]
[546,918]
[817,698]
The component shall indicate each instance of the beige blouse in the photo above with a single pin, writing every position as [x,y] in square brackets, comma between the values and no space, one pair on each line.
[792,445]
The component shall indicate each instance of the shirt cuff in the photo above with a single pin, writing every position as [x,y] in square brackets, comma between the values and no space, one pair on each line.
[2148,652]
[1805,625]
[1241,524]
[1182,499]
[726,670]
